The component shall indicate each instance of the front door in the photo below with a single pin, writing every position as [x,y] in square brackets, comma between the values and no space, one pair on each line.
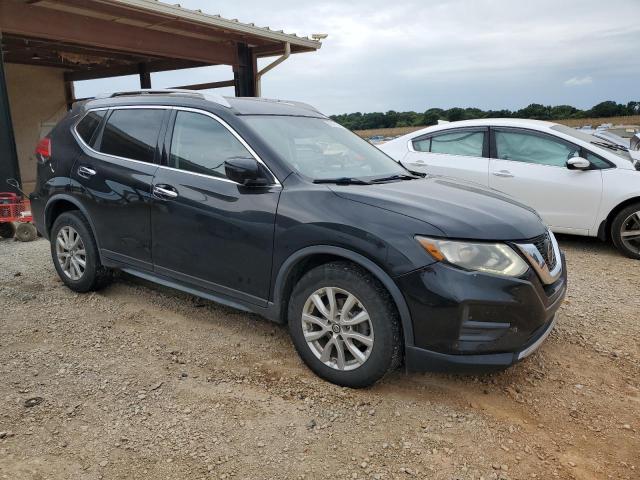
[207,230]
[113,178]
[532,167]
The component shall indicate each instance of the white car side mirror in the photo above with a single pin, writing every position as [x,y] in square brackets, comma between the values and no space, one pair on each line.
[578,163]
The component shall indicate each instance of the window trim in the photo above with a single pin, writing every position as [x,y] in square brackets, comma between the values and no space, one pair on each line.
[98,139]
[529,131]
[446,131]
[215,118]
[167,133]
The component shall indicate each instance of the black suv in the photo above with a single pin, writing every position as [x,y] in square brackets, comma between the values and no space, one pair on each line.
[271,207]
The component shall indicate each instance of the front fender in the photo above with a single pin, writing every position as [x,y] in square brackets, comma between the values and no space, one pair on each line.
[300,255]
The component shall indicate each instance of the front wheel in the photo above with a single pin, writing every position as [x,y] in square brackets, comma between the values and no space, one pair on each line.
[625,231]
[345,325]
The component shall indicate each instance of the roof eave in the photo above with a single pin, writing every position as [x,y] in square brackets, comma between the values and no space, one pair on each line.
[177,12]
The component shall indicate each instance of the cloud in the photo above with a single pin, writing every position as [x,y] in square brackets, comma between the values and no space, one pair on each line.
[578,81]
[414,55]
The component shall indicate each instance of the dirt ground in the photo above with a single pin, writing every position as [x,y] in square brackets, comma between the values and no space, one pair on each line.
[141,382]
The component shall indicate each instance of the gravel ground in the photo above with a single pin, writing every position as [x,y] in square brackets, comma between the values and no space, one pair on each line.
[141,382]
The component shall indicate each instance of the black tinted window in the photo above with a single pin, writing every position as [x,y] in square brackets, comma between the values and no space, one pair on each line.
[132,133]
[89,124]
[200,144]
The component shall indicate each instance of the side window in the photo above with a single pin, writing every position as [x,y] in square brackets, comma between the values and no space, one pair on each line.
[531,148]
[467,143]
[132,133]
[89,124]
[201,144]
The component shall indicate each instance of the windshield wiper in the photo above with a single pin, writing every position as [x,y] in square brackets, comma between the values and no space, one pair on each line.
[402,176]
[343,181]
[611,146]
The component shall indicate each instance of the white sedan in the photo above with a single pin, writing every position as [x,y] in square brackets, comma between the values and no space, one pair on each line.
[579,184]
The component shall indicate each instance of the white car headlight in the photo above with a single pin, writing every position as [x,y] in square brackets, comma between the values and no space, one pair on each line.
[496,258]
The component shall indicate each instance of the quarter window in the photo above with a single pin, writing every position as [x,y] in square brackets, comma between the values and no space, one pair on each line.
[89,124]
[132,133]
[467,143]
[530,148]
[597,161]
[201,144]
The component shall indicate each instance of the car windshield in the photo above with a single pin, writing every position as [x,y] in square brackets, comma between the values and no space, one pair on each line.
[598,141]
[321,149]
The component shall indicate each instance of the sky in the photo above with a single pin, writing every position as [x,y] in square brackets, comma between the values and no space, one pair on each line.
[403,55]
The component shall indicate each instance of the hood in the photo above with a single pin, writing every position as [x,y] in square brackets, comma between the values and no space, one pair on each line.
[459,209]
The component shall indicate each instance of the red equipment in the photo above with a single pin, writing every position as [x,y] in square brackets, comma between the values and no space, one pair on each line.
[15,209]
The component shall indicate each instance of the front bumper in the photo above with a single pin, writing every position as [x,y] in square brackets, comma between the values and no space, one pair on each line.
[469,320]
[420,359]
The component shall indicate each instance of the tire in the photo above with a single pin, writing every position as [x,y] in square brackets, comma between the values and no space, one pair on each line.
[7,230]
[94,276]
[382,328]
[624,224]
[26,232]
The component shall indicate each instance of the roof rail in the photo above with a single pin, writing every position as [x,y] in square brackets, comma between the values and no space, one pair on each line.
[211,97]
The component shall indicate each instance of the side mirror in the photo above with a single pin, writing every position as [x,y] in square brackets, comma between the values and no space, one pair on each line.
[245,171]
[578,163]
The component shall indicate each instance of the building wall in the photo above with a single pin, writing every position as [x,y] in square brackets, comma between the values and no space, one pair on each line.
[37,102]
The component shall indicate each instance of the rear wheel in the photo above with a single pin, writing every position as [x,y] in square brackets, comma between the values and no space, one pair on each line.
[75,254]
[26,232]
[7,230]
[344,325]
[625,231]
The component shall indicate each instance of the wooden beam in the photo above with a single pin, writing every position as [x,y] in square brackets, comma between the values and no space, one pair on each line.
[207,86]
[21,19]
[119,70]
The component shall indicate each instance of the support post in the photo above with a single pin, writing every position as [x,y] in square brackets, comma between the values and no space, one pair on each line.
[9,167]
[244,72]
[145,75]
[69,94]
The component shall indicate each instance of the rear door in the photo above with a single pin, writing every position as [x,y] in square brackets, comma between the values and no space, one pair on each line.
[460,153]
[531,166]
[207,230]
[113,178]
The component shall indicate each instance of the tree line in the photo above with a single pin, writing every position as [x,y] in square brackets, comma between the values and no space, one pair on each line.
[392,119]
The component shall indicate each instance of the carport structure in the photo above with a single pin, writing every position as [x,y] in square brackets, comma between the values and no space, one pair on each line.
[49,44]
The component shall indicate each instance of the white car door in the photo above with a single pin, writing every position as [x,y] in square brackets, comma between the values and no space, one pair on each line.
[460,153]
[531,166]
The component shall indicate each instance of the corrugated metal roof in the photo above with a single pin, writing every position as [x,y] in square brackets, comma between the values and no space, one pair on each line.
[233,25]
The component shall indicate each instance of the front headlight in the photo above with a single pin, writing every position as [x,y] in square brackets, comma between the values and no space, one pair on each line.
[496,258]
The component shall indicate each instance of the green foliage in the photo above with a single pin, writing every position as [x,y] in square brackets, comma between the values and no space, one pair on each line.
[391,119]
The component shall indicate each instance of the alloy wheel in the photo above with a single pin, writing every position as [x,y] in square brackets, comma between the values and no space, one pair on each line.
[71,253]
[630,232]
[337,328]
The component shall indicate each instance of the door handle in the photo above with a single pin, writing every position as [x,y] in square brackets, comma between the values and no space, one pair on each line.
[503,173]
[86,172]
[164,191]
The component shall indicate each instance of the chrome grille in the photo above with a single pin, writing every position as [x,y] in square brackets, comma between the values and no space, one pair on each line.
[543,254]
[544,245]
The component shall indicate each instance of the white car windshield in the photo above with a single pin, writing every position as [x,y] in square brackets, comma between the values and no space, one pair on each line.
[597,141]
[322,150]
